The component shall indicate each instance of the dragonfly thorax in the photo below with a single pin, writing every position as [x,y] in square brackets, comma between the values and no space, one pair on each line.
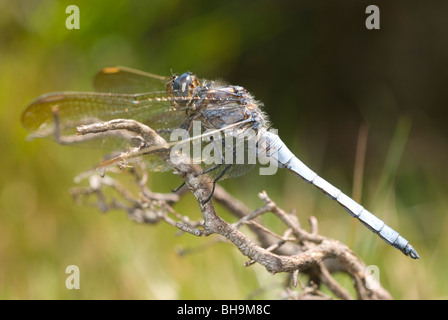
[219,107]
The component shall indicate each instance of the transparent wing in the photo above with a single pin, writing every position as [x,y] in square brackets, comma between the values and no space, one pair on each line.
[125,93]
[217,157]
[233,151]
[80,108]
[231,156]
[128,80]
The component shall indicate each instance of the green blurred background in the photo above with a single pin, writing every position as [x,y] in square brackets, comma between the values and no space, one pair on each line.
[321,75]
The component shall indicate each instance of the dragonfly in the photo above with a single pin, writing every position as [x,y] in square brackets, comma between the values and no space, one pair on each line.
[170,103]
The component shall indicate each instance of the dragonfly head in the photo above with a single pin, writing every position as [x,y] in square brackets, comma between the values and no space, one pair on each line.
[183,86]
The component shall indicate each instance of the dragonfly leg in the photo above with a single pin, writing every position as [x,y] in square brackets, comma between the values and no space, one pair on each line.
[201,173]
[208,170]
[178,188]
[57,129]
[221,174]
[214,167]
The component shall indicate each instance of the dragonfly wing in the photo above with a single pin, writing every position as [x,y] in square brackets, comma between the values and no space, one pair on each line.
[128,80]
[78,108]
[227,152]
[211,153]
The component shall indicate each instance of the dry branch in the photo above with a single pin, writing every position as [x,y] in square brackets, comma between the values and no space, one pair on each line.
[296,250]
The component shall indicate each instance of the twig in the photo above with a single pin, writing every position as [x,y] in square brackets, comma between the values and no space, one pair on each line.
[295,251]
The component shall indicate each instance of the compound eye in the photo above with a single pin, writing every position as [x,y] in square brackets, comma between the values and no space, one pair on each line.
[184,85]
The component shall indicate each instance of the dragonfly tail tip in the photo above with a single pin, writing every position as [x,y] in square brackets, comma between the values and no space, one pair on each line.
[409,250]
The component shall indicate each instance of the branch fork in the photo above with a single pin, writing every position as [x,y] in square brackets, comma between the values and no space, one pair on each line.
[294,251]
